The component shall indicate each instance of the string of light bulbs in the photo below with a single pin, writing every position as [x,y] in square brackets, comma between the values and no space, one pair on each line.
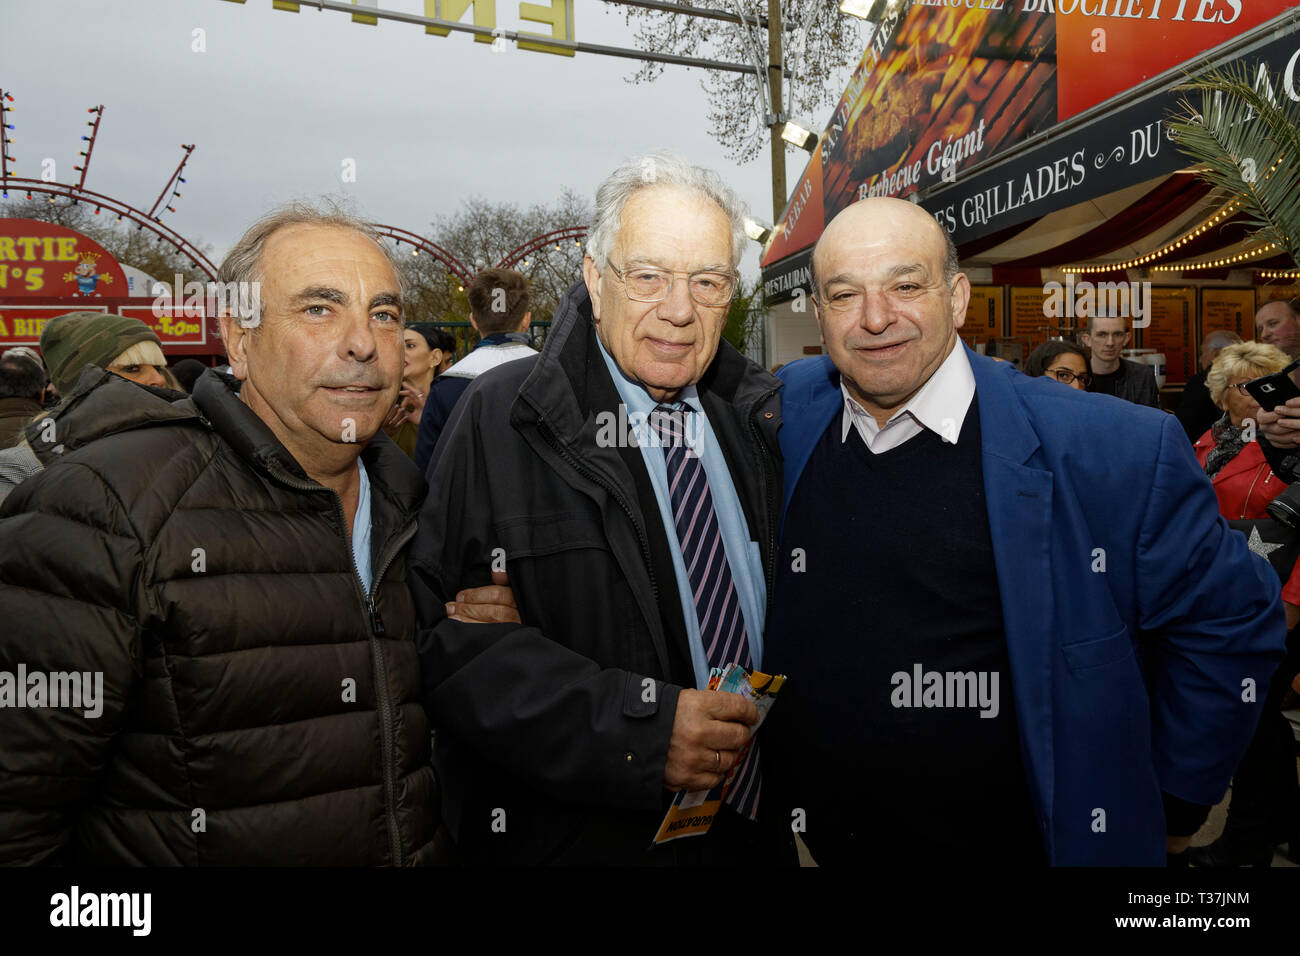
[1220,262]
[1223,214]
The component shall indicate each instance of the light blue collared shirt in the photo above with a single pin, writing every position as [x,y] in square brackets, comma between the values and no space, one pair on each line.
[361,530]
[743,555]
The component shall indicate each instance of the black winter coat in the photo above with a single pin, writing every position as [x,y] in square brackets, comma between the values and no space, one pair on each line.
[550,746]
[258,708]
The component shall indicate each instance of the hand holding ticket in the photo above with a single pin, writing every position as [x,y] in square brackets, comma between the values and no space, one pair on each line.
[692,812]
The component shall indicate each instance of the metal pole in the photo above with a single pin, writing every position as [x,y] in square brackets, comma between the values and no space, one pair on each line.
[90,148]
[692,11]
[576,46]
[4,148]
[775,99]
[174,177]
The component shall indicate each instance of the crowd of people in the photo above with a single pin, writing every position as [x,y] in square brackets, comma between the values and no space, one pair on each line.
[348,600]
[1222,419]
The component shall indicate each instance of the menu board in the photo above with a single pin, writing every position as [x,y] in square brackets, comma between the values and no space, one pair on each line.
[983,315]
[1028,323]
[1173,314]
[1228,310]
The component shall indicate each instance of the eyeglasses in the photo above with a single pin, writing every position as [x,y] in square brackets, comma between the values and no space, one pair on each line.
[1240,387]
[647,284]
[1108,336]
[1068,377]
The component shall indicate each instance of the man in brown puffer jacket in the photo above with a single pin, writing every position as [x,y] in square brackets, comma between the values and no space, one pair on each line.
[225,577]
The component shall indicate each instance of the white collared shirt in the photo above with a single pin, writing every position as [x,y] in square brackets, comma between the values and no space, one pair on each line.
[939,405]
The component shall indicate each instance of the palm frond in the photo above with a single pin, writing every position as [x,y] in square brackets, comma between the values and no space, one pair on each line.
[1249,146]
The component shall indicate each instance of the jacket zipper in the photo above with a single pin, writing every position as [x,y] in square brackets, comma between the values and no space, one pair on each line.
[376,625]
[582,469]
[386,730]
[769,569]
[1246,506]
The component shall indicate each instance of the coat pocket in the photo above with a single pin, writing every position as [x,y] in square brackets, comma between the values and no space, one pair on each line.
[536,535]
[1086,655]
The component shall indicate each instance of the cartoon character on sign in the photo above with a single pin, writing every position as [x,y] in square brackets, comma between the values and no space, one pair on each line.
[85,275]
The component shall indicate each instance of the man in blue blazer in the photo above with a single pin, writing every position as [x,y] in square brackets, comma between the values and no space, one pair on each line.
[1016,629]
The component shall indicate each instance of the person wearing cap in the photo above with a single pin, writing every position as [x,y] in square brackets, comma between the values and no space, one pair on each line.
[75,343]
[118,343]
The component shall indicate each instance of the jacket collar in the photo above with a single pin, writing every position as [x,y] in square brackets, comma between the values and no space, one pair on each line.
[1001,412]
[814,398]
[569,383]
[395,482]
[1248,459]
[100,404]
[503,338]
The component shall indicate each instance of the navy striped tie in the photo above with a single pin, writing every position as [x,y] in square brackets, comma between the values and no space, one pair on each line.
[717,604]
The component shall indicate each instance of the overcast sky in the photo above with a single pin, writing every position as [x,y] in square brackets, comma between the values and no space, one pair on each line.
[279,100]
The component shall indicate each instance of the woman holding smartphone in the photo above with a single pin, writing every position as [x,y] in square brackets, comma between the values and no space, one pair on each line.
[1231,457]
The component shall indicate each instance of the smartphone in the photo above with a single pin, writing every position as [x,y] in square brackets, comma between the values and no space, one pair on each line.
[1274,390]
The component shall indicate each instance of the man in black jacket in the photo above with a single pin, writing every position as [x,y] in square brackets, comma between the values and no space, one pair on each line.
[637,565]
[216,587]
[1112,374]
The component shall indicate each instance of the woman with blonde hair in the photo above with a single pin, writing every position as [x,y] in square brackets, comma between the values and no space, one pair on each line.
[1228,452]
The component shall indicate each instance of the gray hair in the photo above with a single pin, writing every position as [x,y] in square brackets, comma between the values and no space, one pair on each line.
[950,262]
[1221,339]
[243,264]
[660,169]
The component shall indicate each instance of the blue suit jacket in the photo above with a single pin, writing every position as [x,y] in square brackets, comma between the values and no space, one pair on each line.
[1127,680]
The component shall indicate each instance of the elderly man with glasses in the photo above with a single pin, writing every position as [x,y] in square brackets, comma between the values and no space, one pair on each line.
[627,480]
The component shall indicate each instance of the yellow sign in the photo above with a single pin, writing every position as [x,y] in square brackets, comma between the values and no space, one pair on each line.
[983,314]
[22,328]
[1231,310]
[557,15]
[1173,317]
[1029,322]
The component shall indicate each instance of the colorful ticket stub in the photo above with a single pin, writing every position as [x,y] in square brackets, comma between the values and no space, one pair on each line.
[691,814]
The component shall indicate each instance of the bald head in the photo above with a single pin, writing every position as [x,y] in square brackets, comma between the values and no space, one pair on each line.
[901,214]
[889,300]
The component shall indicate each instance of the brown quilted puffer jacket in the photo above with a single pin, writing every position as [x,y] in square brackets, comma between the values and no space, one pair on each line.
[257,706]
